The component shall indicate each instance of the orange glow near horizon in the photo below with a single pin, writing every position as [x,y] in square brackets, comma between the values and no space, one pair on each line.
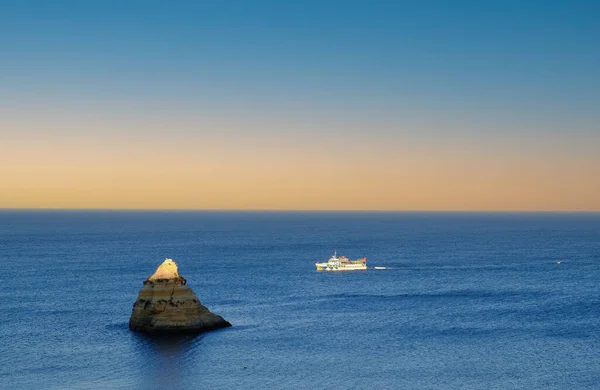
[246,172]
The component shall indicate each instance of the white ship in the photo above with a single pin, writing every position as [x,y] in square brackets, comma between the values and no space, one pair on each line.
[342,263]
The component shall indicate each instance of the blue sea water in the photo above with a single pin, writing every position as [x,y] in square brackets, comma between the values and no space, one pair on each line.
[471,301]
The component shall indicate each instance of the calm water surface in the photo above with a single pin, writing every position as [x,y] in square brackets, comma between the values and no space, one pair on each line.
[471,301]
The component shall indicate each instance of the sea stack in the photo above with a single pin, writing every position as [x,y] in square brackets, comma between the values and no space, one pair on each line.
[166,305]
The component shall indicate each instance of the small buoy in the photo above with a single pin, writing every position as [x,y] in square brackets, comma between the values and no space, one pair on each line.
[245,366]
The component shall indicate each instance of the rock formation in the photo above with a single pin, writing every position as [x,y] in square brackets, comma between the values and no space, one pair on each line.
[166,304]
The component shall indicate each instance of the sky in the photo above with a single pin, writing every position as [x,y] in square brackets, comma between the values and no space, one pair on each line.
[306,105]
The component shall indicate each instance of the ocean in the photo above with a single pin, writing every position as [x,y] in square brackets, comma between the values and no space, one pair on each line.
[470,300]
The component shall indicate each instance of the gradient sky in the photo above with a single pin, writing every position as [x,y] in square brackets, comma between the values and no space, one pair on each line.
[403,105]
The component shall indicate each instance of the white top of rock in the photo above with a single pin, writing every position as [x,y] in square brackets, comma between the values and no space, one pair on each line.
[167,270]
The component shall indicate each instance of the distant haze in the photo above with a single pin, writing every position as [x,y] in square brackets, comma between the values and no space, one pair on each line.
[430,105]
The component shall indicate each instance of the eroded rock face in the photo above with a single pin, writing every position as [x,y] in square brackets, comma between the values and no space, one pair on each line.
[166,305]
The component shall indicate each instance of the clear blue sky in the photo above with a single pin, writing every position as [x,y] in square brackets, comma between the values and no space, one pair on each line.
[396,69]
[448,54]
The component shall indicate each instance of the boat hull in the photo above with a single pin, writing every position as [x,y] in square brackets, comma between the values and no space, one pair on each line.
[341,269]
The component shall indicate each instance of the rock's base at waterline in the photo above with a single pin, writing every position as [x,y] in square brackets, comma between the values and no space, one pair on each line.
[166,305]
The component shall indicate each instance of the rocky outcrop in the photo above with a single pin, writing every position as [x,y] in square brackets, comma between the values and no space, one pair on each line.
[166,305]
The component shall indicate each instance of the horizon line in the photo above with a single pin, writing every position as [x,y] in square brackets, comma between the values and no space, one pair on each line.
[508,211]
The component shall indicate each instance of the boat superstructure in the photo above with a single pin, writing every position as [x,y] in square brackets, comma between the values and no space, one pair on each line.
[342,263]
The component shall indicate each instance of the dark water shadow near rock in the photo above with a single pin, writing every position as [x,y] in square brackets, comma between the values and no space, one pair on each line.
[166,357]
[169,344]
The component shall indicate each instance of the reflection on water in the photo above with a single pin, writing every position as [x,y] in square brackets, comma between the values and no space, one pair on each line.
[166,357]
